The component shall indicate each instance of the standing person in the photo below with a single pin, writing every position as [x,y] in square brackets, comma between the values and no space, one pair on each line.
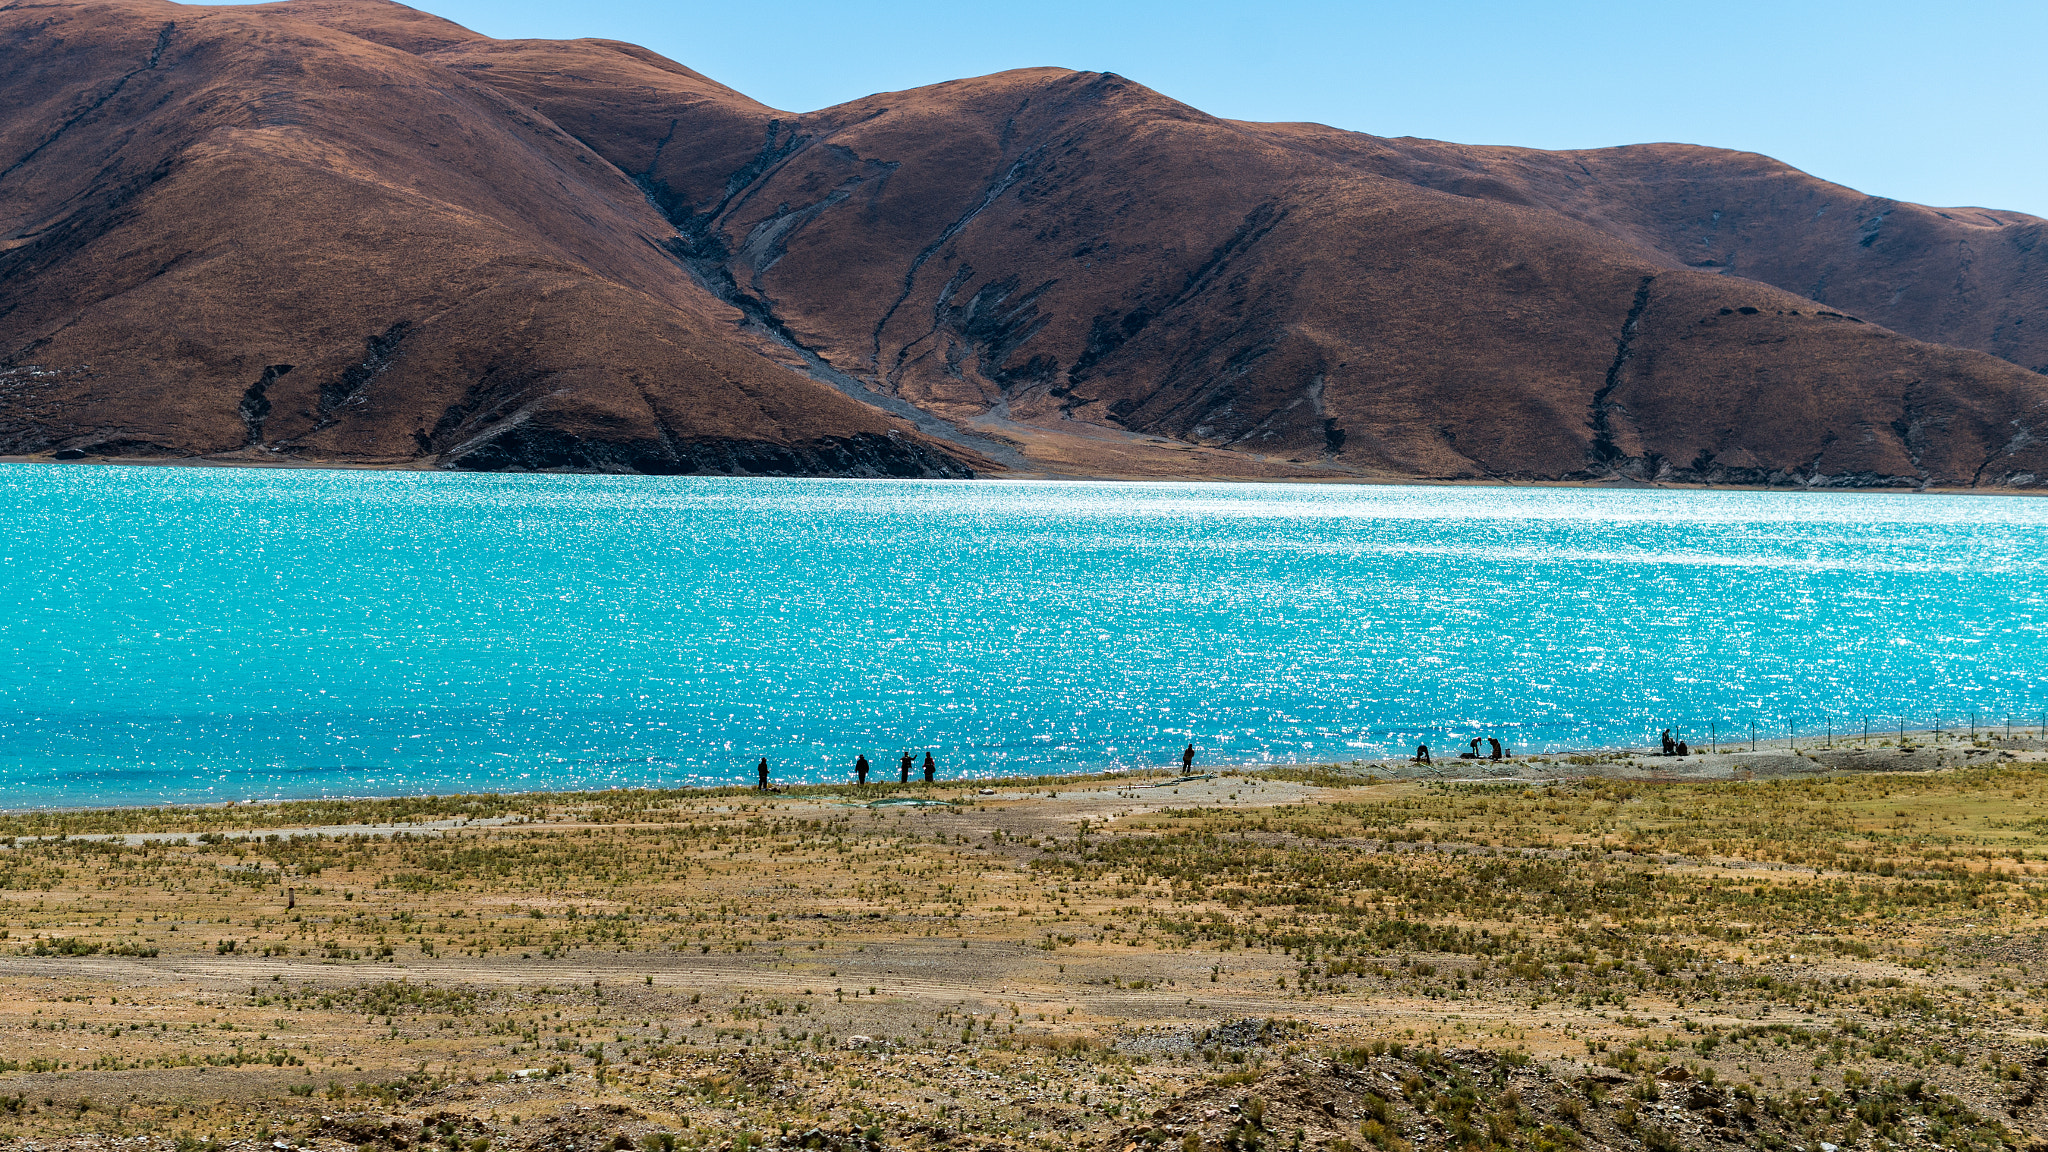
[761,770]
[905,779]
[1496,747]
[860,769]
[1670,745]
[931,767]
[1187,760]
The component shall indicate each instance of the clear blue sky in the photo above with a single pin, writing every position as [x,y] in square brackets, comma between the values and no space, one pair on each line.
[1937,103]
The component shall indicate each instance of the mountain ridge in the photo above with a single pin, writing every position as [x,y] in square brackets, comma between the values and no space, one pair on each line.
[578,254]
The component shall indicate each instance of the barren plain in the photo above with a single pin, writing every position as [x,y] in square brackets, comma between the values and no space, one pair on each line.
[1594,953]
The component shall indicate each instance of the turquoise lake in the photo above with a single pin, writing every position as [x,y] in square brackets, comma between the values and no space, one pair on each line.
[206,634]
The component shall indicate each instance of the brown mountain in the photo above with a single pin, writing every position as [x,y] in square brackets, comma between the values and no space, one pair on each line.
[532,254]
[240,233]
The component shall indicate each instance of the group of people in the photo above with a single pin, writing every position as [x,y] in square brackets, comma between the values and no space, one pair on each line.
[861,768]
[1499,750]
[931,767]
[1671,748]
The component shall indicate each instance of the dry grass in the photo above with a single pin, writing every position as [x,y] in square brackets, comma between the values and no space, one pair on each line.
[1047,964]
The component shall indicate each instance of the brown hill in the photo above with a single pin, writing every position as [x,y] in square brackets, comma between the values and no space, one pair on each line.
[579,254]
[236,235]
[1971,277]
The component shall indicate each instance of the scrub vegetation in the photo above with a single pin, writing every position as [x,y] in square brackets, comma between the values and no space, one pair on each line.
[1291,959]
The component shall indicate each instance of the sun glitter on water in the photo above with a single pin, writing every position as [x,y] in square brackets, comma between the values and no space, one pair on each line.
[190,634]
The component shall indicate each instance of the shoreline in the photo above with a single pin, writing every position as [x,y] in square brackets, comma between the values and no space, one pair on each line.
[1924,750]
[1610,484]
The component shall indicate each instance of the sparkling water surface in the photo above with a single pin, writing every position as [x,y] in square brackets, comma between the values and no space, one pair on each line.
[203,634]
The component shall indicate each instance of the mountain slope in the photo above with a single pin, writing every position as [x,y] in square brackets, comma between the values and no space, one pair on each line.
[1042,250]
[493,253]
[1972,277]
[230,234]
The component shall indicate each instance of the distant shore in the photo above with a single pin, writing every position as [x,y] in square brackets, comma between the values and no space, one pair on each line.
[1614,483]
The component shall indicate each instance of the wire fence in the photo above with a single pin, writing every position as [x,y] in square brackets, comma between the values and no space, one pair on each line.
[1475,739]
[1833,731]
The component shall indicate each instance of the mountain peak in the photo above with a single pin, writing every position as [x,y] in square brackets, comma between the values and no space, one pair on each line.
[457,251]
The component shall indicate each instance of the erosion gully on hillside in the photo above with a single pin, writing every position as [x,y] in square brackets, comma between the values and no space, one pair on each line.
[1294,958]
[351,232]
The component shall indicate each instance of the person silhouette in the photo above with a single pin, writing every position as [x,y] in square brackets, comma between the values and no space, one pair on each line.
[1496,747]
[931,767]
[1670,745]
[1187,759]
[1422,754]
[860,770]
[905,766]
[761,770]
[1683,750]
